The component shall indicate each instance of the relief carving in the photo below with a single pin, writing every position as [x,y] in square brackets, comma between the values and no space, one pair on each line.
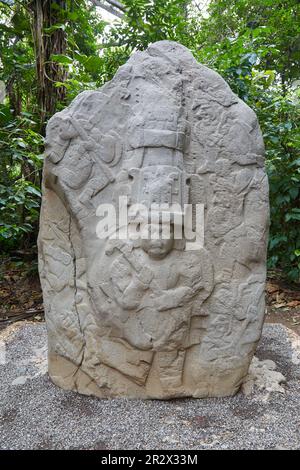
[147,317]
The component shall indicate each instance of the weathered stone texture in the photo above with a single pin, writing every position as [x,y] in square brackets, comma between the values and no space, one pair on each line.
[139,320]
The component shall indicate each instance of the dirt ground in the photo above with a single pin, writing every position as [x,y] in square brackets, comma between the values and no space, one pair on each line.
[283,302]
[21,296]
[20,292]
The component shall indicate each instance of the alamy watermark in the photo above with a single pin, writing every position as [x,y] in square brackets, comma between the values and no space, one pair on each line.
[159,221]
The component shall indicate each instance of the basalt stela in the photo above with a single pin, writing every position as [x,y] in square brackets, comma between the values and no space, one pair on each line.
[148,318]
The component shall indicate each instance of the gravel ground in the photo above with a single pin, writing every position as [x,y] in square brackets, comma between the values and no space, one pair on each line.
[35,414]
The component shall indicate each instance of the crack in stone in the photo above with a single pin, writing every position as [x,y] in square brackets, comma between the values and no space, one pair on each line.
[83,350]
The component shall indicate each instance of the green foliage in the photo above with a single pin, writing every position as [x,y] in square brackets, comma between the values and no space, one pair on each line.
[20,168]
[149,21]
[84,30]
[282,138]
[253,44]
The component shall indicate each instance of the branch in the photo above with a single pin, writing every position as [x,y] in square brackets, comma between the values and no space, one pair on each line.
[116,4]
[111,9]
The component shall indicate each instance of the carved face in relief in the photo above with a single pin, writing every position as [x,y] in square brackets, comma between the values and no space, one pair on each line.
[160,248]
[59,133]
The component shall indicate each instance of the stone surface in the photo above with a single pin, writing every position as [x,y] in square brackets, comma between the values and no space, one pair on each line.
[264,376]
[151,319]
[39,415]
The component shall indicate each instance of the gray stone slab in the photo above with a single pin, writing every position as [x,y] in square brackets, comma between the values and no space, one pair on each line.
[141,317]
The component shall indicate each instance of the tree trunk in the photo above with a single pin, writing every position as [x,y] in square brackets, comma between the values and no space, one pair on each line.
[14,95]
[46,14]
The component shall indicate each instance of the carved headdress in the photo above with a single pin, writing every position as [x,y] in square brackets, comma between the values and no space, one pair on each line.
[160,134]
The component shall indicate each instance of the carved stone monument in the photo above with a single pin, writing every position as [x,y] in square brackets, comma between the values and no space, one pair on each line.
[149,318]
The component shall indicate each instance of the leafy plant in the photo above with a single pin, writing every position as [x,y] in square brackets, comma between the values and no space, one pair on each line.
[20,170]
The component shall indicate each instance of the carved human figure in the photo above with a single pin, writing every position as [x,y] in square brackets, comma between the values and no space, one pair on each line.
[156,290]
